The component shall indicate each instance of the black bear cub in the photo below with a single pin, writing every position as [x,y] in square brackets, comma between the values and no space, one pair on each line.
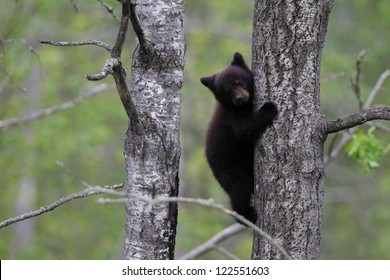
[232,132]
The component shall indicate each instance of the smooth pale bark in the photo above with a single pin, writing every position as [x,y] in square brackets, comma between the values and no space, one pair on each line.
[152,148]
[288,37]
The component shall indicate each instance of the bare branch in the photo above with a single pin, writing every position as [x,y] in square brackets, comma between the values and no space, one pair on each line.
[212,242]
[356,81]
[29,48]
[114,65]
[340,145]
[4,124]
[7,41]
[380,113]
[9,75]
[119,73]
[59,202]
[121,37]
[105,189]
[107,69]
[347,134]
[127,100]
[73,175]
[376,88]
[10,79]
[78,44]
[74,4]
[226,253]
[146,46]
[109,9]
[380,126]
[332,144]
[202,202]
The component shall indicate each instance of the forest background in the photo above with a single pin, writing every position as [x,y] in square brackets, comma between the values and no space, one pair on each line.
[88,138]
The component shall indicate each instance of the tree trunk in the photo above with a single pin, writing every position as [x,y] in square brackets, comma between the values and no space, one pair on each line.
[288,38]
[152,153]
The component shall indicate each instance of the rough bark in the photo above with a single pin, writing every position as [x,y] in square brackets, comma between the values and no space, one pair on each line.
[152,153]
[288,38]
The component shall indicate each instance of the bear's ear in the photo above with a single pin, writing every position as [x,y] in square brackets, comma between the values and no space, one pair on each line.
[208,81]
[238,60]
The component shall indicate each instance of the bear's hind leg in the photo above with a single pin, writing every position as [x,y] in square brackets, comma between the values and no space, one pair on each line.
[244,207]
[239,186]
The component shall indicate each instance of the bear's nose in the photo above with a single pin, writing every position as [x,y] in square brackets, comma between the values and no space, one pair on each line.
[240,100]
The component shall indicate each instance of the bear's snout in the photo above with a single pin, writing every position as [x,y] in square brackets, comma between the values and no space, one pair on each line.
[240,96]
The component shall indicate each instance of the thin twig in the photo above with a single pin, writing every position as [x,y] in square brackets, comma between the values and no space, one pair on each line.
[376,88]
[105,189]
[73,175]
[380,126]
[333,143]
[8,41]
[109,9]
[340,145]
[11,79]
[226,253]
[29,48]
[59,202]
[78,44]
[4,124]
[76,8]
[202,202]
[212,242]
[355,83]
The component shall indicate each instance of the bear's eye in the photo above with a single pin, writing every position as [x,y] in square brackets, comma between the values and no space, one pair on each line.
[239,82]
[226,90]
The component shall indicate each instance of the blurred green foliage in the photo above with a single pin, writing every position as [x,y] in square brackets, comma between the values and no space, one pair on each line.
[89,137]
[366,149]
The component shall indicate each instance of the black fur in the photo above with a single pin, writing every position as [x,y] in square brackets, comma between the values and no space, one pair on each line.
[232,132]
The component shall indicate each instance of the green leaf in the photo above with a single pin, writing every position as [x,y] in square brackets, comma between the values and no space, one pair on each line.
[366,149]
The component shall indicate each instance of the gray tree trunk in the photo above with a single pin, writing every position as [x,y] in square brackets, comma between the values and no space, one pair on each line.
[288,37]
[152,151]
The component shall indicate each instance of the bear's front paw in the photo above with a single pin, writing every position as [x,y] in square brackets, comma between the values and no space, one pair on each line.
[269,108]
[268,111]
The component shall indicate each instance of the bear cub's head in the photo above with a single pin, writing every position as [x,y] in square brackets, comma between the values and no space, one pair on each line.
[233,87]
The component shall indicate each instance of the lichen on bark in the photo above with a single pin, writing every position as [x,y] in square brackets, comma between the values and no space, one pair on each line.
[152,156]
